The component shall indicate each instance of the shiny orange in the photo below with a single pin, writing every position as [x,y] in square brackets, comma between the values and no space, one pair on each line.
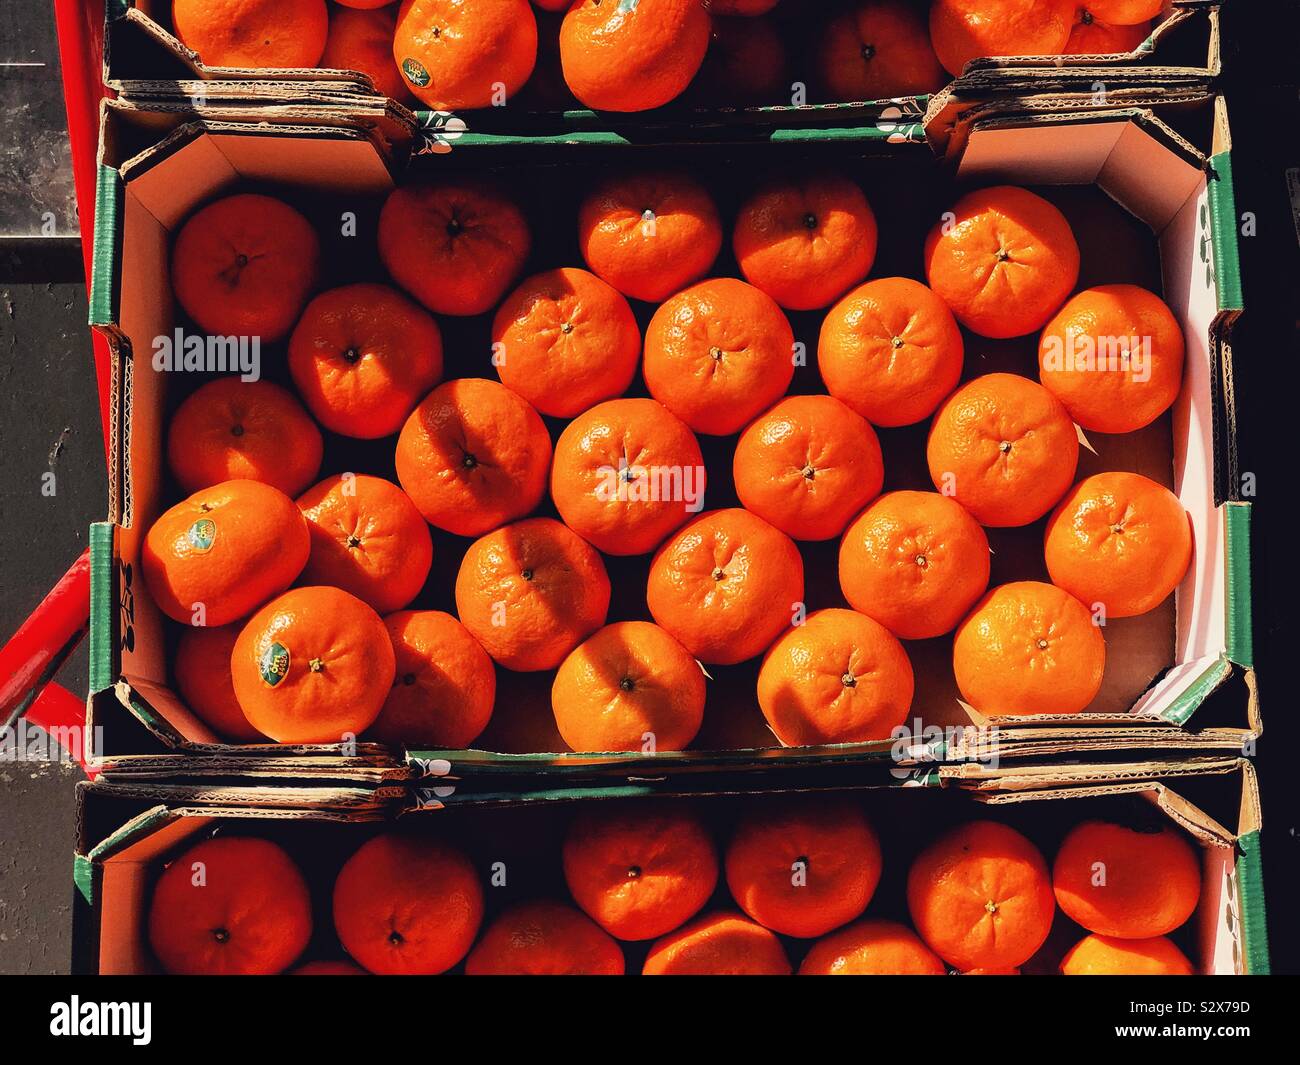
[544,938]
[718,944]
[202,671]
[252,33]
[872,948]
[531,592]
[962,30]
[1125,12]
[361,39]
[878,50]
[1091,36]
[1106,956]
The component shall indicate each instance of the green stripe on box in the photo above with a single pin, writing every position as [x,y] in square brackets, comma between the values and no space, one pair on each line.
[1240,624]
[108,246]
[1223,236]
[1250,895]
[1197,692]
[83,877]
[103,607]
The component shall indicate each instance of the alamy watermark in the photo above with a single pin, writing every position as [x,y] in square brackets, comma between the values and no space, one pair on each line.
[1081,351]
[632,483]
[182,352]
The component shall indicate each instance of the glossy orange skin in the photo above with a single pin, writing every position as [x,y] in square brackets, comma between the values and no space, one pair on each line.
[456,247]
[980,897]
[444,688]
[364,5]
[544,938]
[914,561]
[626,474]
[640,871]
[803,866]
[339,669]
[962,30]
[566,340]
[244,265]
[632,60]
[872,948]
[472,456]
[407,906]
[726,585]
[891,350]
[745,66]
[1002,665]
[472,53]
[879,50]
[230,906]
[328,968]
[258,545]
[366,538]
[717,354]
[628,687]
[718,944]
[1106,956]
[1091,36]
[551,587]
[252,33]
[1004,262]
[807,465]
[362,357]
[243,430]
[361,39]
[1124,12]
[649,258]
[807,241]
[1119,539]
[202,671]
[1113,400]
[1004,448]
[840,677]
[1152,880]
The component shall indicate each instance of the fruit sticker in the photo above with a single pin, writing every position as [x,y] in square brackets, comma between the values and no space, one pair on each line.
[415,72]
[274,664]
[201,534]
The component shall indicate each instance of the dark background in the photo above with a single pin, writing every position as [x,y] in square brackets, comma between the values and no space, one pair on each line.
[49,421]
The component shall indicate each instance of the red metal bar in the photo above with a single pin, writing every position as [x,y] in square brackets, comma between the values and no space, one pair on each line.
[63,718]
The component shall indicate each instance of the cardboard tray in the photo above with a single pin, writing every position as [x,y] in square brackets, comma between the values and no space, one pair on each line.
[125,835]
[1149,206]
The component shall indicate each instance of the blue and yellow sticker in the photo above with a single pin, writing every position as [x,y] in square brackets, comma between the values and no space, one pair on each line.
[201,534]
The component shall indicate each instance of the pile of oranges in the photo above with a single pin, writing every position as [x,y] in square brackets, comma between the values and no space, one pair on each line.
[633,55]
[296,593]
[797,876]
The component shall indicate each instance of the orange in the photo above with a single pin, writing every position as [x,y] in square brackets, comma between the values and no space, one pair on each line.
[1004,448]
[1114,357]
[233,430]
[632,57]
[223,552]
[650,234]
[362,357]
[872,948]
[230,906]
[565,340]
[629,687]
[837,678]
[1003,259]
[444,687]
[407,906]
[457,54]
[1126,882]
[718,944]
[361,39]
[803,866]
[718,353]
[202,670]
[879,50]
[1105,956]
[1125,12]
[456,247]
[329,968]
[252,33]
[244,265]
[544,938]
[962,30]
[531,592]
[1121,540]
[805,241]
[744,8]
[472,456]
[1028,648]
[312,666]
[640,871]
[891,350]
[366,538]
[626,474]
[1091,36]
[808,465]
[364,5]
[916,562]
[745,64]
[726,585]
[980,897]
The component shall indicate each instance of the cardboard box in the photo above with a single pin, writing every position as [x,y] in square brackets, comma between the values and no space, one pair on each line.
[1149,207]
[125,838]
